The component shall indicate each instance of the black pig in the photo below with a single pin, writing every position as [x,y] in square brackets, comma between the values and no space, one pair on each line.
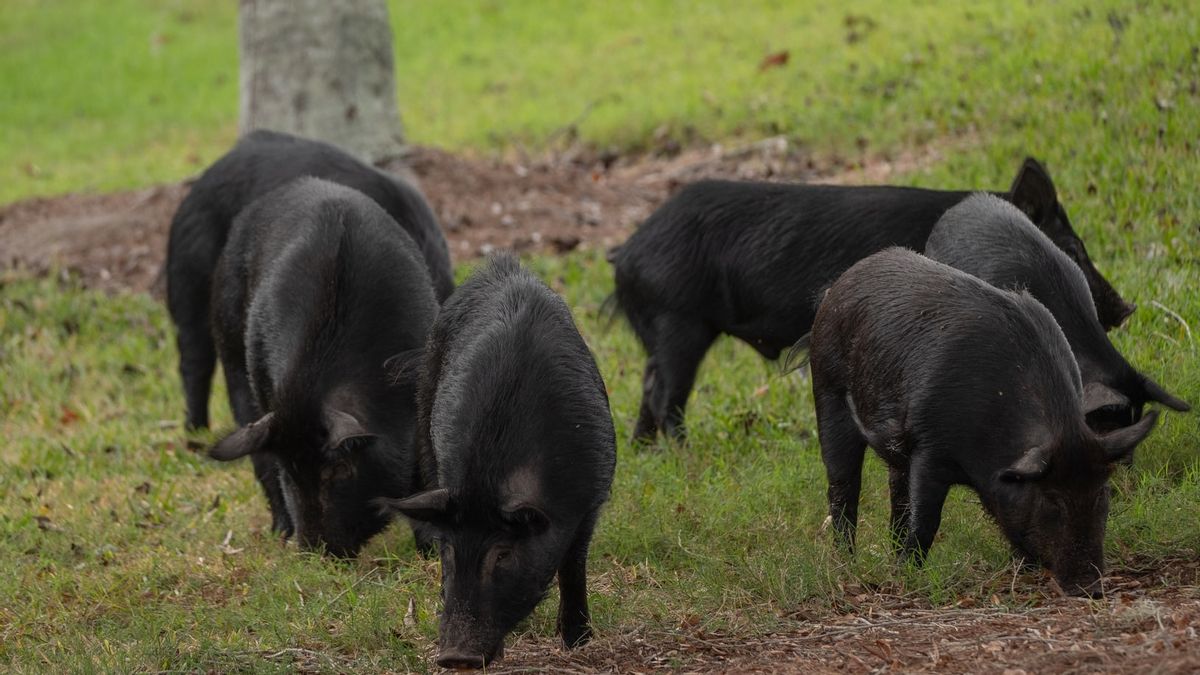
[748,259]
[316,289]
[513,420]
[953,381]
[259,163]
[989,238]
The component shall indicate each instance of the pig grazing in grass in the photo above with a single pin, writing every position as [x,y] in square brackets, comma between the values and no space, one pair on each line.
[514,425]
[259,163]
[953,381]
[748,260]
[316,289]
[989,238]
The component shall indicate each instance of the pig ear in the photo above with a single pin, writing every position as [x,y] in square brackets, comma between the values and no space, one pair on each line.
[1097,396]
[1156,393]
[1030,466]
[404,369]
[1033,192]
[431,506]
[1118,445]
[525,519]
[249,439]
[341,426]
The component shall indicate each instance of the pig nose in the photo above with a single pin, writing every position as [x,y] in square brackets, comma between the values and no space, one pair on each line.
[460,659]
[1128,309]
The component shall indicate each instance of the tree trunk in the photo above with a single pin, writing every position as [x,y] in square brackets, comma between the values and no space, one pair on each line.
[321,69]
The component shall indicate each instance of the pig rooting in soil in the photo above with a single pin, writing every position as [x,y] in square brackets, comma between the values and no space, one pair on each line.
[515,429]
[315,290]
[953,381]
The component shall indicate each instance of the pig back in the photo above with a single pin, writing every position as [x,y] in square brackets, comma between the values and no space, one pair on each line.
[745,254]
[332,283]
[914,340]
[512,388]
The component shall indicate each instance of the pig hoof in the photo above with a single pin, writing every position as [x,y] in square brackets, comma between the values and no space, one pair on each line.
[576,636]
[1093,590]
[283,529]
[426,547]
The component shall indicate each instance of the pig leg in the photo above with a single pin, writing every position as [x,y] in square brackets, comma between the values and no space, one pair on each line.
[842,450]
[681,345]
[643,323]
[646,427]
[898,487]
[927,495]
[573,615]
[266,467]
[197,351]
[197,363]
[423,534]
[191,259]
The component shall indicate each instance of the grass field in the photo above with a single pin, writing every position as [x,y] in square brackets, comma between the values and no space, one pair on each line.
[126,550]
[107,94]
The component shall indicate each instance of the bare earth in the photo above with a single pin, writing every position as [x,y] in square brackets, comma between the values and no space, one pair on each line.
[1146,624]
[556,204]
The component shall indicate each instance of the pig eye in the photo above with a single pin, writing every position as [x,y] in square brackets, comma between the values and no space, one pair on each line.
[501,554]
[351,445]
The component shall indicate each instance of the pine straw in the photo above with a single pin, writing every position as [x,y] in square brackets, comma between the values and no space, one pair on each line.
[1132,630]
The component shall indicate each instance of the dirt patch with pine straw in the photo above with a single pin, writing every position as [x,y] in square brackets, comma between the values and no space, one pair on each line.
[553,204]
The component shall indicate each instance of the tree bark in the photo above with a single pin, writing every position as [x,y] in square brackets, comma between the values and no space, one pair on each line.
[321,69]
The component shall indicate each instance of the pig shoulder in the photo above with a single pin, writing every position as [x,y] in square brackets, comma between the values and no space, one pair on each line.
[517,388]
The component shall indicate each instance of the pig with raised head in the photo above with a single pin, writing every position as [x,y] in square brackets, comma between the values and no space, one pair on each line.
[953,381]
[315,291]
[748,260]
[515,428]
[989,238]
[260,162]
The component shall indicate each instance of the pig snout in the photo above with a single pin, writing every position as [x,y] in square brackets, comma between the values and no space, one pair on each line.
[1085,583]
[1083,588]
[463,657]
[1126,309]
[460,660]
[1114,313]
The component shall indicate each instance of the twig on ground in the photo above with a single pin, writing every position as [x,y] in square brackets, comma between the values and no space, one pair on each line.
[1186,328]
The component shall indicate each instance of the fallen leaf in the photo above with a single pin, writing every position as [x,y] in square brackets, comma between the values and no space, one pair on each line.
[774,60]
[410,616]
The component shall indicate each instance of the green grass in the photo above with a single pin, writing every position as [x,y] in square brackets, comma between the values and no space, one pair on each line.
[111,525]
[101,95]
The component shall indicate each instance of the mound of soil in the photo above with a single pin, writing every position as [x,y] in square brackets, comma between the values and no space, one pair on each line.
[552,204]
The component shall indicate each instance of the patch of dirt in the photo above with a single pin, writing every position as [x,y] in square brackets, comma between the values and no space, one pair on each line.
[1147,623]
[555,204]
